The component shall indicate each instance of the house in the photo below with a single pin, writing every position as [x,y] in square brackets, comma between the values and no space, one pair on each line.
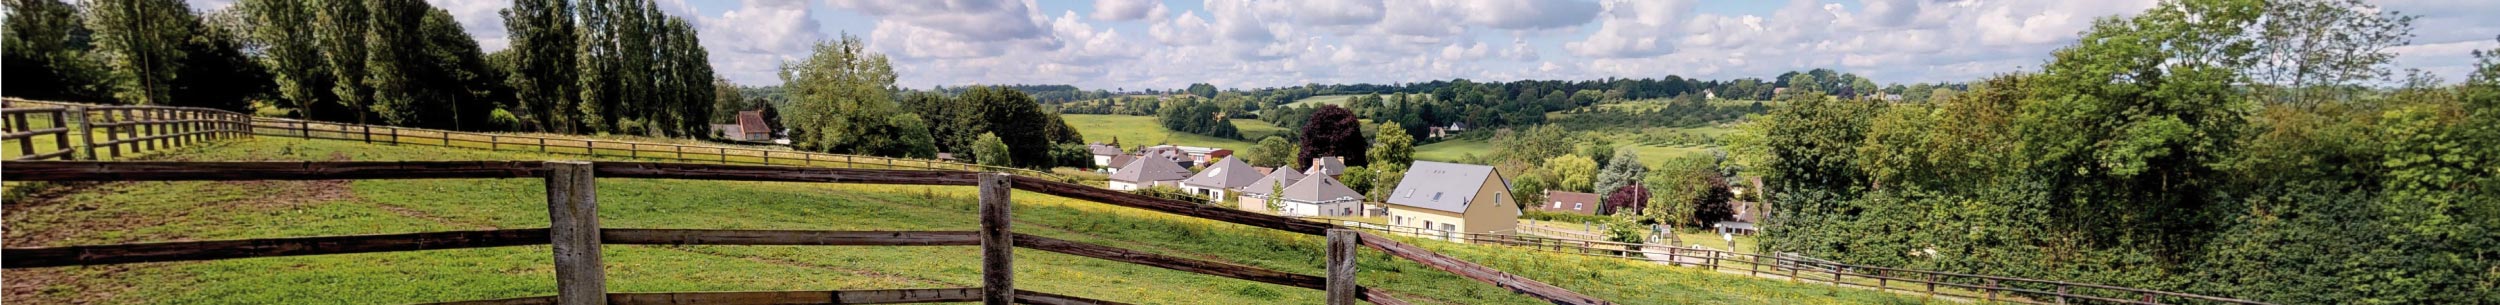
[1569,202]
[1457,198]
[727,131]
[1221,178]
[1443,132]
[1148,172]
[1319,195]
[1254,196]
[1326,166]
[1123,159]
[1740,220]
[751,127]
[1103,154]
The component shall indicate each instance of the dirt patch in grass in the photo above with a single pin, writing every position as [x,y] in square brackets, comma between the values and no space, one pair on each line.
[62,285]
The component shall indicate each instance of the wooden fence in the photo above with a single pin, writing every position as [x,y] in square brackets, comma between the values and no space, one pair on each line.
[1798,268]
[96,132]
[160,119]
[576,236]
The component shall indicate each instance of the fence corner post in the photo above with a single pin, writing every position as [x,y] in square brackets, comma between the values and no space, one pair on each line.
[1341,243]
[77,122]
[997,243]
[573,230]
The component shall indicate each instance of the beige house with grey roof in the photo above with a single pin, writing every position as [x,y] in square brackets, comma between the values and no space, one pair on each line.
[1225,176]
[1254,197]
[1453,198]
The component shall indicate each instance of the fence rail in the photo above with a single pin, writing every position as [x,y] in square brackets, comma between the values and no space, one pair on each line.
[1803,269]
[575,234]
[132,128]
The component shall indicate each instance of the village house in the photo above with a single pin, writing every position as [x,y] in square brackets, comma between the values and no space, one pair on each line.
[1119,159]
[1327,166]
[1254,197]
[1104,153]
[749,128]
[1195,155]
[1569,202]
[1318,195]
[1147,172]
[1225,176]
[1456,198]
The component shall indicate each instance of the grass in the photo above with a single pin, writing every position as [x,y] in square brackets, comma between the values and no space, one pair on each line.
[1315,101]
[1134,130]
[166,211]
[1655,155]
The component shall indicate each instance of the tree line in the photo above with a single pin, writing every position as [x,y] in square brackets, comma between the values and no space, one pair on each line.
[2209,147]
[592,66]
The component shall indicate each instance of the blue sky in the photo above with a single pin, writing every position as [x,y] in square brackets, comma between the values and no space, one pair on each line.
[1261,43]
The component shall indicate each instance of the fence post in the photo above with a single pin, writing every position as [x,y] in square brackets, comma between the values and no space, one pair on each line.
[2061,293]
[18,121]
[113,134]
[86,133]
[1992,290]
[997,243]
[395,136]
[1931,284]
[573,230]
[1341,243]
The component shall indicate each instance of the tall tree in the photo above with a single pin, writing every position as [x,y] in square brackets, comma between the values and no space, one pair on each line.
[840,102]
[542,33]
[1624,169]
[292,54]
[339,28]
[46,51]
[143,40]
[1333,132]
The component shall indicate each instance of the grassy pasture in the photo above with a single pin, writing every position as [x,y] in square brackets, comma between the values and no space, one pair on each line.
[168,211]
[1315,101]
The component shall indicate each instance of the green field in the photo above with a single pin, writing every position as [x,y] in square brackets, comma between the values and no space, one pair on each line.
[168,211]
[1654,155]
[1315,101]
[1135,130]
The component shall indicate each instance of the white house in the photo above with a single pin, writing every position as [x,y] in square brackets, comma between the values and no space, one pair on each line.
[1319,195]
[1223,177]
[1148,172]
[1254,196]
[1103,154]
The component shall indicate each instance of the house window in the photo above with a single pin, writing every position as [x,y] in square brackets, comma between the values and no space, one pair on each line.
[1574,206]
[1427,224]
[1557,204]
[1449,227]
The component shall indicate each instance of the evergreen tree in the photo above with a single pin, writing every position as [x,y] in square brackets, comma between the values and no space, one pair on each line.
[46,51]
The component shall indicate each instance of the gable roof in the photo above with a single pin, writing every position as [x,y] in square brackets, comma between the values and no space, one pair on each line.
[1122,160]
[1229,173]
[1320,188]
[1272,180]
[752,121]
[1442,186]
[1104,150]
[1149,169]
[1571,197]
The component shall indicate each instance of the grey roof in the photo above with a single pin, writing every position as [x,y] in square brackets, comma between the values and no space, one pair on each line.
[1320,189]
[1148,170]
[1442,186]
[1273,179]
[1327,166]
[1229,173]
[1104,150]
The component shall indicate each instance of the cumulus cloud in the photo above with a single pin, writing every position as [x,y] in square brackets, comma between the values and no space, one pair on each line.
[1124,10]
[1527,14]
[1636,29]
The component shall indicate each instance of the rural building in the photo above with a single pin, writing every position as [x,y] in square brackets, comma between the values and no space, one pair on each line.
[1103,154]
[1148,172]
[1195,155]
[1458,198]
[1254,196]
[1223,177]
[1569,202]
[1319,195]
[751,127]
[1740,220]
[1121,160]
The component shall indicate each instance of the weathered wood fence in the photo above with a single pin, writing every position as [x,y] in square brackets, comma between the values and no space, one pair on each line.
[1802,269]
[97,132]
[576,236]
[151,121]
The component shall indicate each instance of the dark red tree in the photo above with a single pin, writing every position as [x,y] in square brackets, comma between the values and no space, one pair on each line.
[1627,199]
[1333,132]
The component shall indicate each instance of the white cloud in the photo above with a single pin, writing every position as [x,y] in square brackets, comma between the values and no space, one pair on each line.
[1124,10]
[481,18]
[1635,29]
[1527,14]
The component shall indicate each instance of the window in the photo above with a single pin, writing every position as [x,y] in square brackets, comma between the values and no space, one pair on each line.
[1575,206]
[1449,227]
[1427,224]
[1557,204]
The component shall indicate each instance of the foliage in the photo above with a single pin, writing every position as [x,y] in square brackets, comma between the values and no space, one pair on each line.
[1627,201]
[1198,117]
[1527,190]
[1690,191]
[47,47]
[1572,173]
[1333,132]
[2140,157]
[1359,178]
[1392,147]
[1272,152]
[989,150]
[839,99]
[1626,169]
[545,45]
[1532,145]
[1174,194]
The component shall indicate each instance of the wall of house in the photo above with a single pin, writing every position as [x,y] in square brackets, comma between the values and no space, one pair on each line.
[1117,185]
[1300,208]
[1102,161]
[1253,204]
[1490,212]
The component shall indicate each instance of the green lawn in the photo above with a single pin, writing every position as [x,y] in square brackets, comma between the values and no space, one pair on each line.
[168,211]
[1315,101]
[1654,155]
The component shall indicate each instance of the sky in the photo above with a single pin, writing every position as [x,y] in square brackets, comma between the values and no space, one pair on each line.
[1135,44]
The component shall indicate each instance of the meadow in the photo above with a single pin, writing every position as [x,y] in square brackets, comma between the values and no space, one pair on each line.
[1315,101]
[168,211]
[1652,153]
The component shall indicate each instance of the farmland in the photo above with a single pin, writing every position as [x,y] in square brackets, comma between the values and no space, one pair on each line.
[1315,101]
[1651,152]
[165,211]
